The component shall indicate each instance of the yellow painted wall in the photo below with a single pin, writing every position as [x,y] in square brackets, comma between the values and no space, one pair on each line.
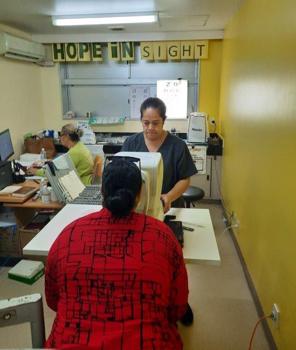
[210,73]
[20,99]
[257,109]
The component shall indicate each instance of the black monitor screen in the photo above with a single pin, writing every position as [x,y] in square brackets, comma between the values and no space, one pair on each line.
[6,148]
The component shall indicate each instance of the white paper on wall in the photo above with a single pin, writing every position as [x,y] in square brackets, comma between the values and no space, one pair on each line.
[199,156]
[174,93]
[137,95]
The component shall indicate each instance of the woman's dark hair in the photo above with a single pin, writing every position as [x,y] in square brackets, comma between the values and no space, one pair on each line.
[155,103]
[73,132]
[121,183]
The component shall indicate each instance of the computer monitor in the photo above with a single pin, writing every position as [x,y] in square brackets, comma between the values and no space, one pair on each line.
[6,148]
[152,175]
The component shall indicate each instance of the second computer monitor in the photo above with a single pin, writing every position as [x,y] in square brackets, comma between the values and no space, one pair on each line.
[6,148]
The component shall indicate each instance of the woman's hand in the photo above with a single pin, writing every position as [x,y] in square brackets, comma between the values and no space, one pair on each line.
[166,201]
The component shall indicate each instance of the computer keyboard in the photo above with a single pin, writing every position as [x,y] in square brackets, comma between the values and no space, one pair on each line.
[91,195]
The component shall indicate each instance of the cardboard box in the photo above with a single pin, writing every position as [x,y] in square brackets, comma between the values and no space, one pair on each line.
[13,239]
[26,235]
[10,242]
[28,232]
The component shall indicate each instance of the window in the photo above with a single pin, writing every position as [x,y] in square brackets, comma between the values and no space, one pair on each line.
[104,88]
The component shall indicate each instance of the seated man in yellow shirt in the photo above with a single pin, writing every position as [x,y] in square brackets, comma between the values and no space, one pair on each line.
[78,152]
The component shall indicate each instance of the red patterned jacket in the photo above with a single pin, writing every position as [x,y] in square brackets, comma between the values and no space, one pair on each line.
[116,284]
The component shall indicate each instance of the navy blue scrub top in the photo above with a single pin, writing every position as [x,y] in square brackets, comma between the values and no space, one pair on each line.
[177,160]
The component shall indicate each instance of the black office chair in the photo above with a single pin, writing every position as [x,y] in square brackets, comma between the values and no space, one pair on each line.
[191,195]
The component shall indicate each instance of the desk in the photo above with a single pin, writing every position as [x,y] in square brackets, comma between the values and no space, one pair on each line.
[199,245]
[19,204]
[9,198]
[37,204]
[24,212]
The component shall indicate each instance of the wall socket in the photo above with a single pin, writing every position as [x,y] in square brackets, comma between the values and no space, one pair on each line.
[275,315]
[234,221]
[212,120]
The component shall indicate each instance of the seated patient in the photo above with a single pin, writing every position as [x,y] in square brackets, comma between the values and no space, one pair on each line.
[116,278]
[78,152]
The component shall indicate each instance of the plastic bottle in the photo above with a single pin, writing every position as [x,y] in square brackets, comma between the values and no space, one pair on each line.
[43,184]
[44,192]
[42,154]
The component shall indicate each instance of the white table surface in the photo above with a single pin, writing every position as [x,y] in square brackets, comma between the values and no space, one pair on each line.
[199,245]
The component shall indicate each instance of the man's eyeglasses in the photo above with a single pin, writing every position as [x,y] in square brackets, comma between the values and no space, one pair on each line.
[136,161]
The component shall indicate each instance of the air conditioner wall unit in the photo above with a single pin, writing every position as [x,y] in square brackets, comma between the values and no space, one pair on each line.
[21,49]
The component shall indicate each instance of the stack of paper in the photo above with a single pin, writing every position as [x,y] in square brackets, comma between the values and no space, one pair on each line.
[29,158]
[9,190]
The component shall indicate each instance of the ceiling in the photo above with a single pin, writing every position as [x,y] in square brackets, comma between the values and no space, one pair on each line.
[207,17]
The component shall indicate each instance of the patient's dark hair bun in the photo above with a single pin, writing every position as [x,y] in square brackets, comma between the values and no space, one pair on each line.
[121,203]
[121,184]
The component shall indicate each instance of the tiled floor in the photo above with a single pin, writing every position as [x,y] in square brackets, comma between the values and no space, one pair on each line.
[219,296]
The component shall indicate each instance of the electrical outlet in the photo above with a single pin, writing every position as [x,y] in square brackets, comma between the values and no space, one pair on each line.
[275,315]
[234,220]
[212,120]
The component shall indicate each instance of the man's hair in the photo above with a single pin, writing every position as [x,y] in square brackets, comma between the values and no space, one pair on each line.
[155,103]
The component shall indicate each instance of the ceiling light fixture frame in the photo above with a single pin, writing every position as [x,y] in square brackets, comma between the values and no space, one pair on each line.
[105,19]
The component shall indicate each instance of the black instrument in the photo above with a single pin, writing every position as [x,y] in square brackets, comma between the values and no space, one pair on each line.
[176,227]
[16,168]
[6,176]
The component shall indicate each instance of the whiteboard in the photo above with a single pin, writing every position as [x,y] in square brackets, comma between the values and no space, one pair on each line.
[174,93]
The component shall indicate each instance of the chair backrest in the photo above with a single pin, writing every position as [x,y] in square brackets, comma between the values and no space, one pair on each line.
[28,308]
[97,170]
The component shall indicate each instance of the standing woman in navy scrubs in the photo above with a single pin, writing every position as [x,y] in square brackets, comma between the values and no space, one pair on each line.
[177,161]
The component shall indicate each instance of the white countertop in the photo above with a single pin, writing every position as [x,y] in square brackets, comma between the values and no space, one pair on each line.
[199,245]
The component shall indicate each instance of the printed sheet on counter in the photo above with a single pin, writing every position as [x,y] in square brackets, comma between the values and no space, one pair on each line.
[199,156]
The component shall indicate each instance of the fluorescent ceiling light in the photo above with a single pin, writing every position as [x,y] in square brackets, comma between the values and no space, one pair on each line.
[81,20]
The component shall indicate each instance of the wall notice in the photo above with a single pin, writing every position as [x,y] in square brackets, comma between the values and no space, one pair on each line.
[174,94]
[137,94]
